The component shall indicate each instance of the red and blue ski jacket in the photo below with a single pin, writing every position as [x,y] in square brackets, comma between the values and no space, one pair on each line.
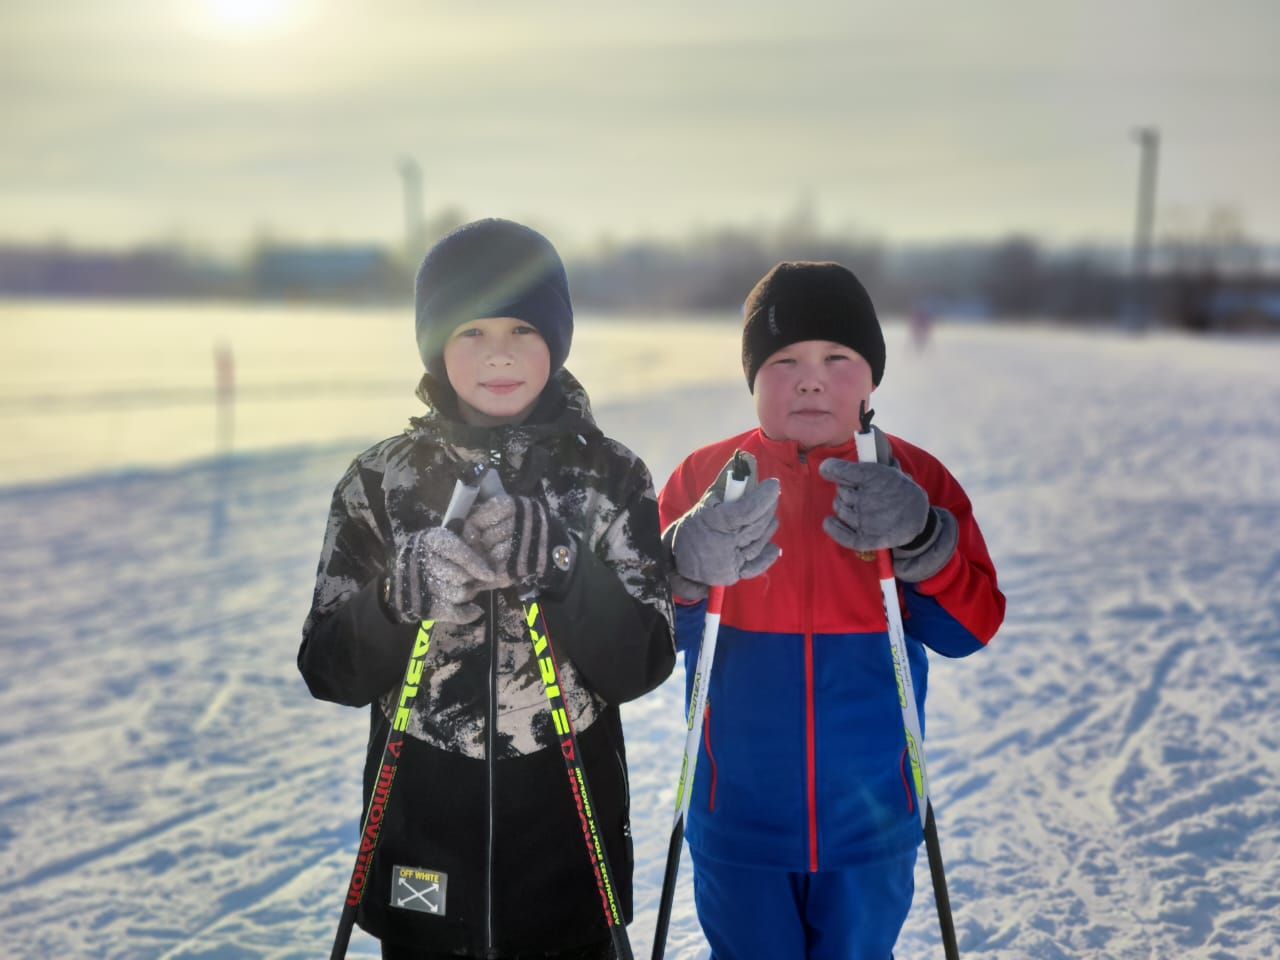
[803,762]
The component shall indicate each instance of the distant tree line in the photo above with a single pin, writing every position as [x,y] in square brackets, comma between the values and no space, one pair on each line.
[1013,278]
[1208,280]
[1196,287]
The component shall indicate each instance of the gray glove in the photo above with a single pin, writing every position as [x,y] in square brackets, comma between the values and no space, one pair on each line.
[522,542]
[434,576]
[718,543]
[879,507]
[929,552]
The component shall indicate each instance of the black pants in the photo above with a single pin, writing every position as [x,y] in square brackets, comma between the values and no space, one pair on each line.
[596,951]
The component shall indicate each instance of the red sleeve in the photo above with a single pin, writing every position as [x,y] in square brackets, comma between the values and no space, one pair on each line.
[678,495]
[966,587]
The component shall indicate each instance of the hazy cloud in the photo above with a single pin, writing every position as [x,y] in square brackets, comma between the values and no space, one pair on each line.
[130,120]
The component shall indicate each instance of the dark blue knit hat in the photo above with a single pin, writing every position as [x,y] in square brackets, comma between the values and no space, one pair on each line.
[491,268]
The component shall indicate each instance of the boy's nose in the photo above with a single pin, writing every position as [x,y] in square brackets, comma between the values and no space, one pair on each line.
[500,354]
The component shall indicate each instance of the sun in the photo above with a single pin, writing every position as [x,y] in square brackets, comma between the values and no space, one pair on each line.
[248,16]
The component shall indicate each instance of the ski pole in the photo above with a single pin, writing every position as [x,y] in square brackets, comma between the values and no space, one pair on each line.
[464,495]
[548,664]
[866,447]
[734,485]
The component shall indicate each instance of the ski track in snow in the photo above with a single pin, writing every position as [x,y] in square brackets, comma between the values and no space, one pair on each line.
[1105,776]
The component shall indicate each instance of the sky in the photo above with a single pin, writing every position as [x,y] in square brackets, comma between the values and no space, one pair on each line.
[217,122]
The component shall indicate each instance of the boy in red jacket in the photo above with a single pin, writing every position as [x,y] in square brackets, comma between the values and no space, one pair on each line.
[803,826]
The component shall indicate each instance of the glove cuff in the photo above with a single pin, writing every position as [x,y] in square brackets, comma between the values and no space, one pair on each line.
[403,593]
[922,540]
[689,590]
[681,586]
[547,551]
[929,552]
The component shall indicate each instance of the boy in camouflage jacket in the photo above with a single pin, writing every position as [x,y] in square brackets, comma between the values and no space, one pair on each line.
[481,798]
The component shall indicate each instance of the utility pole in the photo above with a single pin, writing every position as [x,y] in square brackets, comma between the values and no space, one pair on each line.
[1148,139]
[411,176]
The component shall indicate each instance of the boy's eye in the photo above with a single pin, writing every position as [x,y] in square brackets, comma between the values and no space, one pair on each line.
[837,356]
[524,328]
[782,360]
[470,332]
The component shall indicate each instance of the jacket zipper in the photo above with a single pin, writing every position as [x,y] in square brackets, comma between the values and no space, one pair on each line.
[490,748]
[491,740]
[811,753]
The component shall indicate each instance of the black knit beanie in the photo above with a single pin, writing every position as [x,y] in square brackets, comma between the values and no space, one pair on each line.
[491,268]
[802,300]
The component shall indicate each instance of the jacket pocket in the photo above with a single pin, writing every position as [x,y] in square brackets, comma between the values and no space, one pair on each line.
[626,783]
[706,742]
[905,767]
[625,779]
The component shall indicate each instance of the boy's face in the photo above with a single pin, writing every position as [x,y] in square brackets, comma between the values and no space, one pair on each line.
[810,392]
[498,367]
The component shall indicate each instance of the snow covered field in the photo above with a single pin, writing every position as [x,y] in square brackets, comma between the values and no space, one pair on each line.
[1107,774]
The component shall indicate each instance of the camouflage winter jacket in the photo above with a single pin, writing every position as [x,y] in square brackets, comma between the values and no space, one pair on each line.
[481,796]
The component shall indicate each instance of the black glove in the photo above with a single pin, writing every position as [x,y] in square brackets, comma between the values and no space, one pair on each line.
[522,542]
[434,576]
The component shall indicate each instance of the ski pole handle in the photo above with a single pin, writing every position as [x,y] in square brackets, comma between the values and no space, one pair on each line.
[736,483]
[465,491]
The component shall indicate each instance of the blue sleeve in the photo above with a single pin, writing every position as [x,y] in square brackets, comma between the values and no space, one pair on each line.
[927,621]
[690,619]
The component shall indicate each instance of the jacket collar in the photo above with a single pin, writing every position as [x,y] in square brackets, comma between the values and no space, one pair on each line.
[788,451]
[562,409]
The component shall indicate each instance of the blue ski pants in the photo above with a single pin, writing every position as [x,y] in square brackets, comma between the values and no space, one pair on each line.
[763,914]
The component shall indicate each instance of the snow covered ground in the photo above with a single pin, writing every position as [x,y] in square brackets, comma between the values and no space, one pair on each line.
[1107,774]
